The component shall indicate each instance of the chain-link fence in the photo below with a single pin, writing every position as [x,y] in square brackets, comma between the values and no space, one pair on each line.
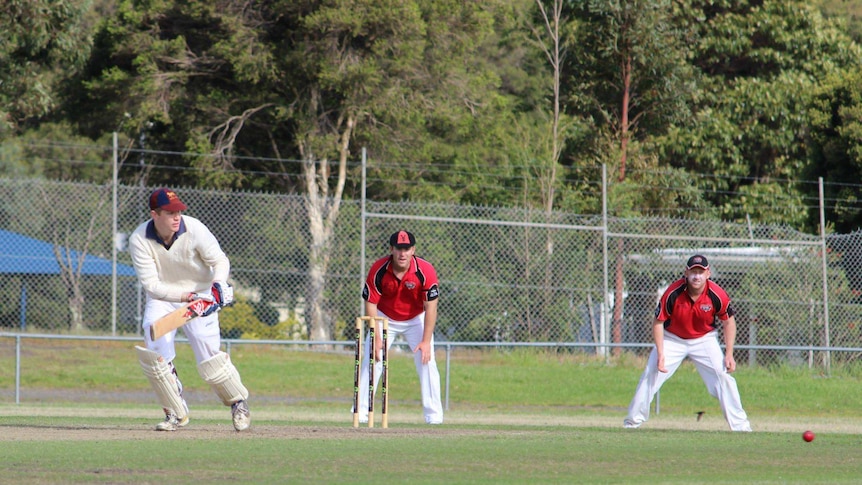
[507,275]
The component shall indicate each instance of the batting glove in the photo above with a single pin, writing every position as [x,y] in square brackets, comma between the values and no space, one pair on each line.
[223,293]
[199,296]
[211,308]
[207,303]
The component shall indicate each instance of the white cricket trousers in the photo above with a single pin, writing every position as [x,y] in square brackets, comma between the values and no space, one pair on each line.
[707,356]
[203,332]
[429,376]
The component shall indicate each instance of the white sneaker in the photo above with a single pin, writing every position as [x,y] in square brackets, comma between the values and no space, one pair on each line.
[171,423]
[630,424]
[241,415]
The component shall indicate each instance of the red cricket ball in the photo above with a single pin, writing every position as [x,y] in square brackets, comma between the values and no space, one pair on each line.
[808,436]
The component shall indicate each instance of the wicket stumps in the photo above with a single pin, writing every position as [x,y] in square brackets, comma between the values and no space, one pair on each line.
[384,378]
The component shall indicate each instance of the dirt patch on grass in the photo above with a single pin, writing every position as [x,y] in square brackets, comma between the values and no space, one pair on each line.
[209,432]
[308,423]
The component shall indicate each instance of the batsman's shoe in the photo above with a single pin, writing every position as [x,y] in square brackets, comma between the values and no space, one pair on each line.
[171,423]
[241,415]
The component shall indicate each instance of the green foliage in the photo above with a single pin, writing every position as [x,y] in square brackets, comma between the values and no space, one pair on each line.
[43,43]
[65,156]
[238,319]
[848,13]
[450,97]
[790,317]
[760,64]
[835,140]
[243,321]
[486,328]
[630,52]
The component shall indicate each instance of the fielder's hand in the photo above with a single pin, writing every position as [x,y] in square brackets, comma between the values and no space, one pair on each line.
[425,349]
[378,348]
[729,363]
[223,294]
[660,364]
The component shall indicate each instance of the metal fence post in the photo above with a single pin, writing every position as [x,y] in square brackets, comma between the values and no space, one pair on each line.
[448,354]
[18,369]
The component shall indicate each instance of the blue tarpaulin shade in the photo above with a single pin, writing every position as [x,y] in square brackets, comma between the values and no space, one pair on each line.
[25,255]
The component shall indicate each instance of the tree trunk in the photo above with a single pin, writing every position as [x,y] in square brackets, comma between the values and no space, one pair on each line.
[619,283]
[319,328]
[322,209]
[624,116]
[76,310]
[554,53]
[619,279]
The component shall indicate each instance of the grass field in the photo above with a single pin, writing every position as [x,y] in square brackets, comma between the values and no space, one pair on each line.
[86,416]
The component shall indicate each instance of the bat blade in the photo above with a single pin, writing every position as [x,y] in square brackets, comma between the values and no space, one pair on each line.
[178,318]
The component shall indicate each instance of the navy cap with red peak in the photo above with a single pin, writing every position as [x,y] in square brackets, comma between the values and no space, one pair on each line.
[697,261]
[166,199]
[402,240]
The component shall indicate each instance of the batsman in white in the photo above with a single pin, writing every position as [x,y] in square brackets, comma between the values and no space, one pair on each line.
[686,326]
[403,288]
[177,260]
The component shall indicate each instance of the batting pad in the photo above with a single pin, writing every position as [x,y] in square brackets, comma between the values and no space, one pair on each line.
[222,376]
[161,377]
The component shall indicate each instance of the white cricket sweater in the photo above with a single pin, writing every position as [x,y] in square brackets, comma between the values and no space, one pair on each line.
[194,261]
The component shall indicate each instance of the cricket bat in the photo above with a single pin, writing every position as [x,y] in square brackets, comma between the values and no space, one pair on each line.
[179,317]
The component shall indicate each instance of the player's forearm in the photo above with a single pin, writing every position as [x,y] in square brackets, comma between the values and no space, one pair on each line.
[430,321]
[370,309]
[658,336]
[729,335]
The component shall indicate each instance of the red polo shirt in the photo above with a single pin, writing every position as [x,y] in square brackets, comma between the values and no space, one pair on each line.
[402,299]
[687,318]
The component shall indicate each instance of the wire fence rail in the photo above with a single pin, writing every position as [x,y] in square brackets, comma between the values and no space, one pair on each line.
[508,276]
[446,348]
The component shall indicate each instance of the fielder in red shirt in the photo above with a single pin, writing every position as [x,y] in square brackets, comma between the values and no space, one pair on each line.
[686,325]
[403,288]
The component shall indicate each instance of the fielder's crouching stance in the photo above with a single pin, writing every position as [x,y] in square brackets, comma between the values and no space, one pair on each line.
[178,260]
[685,326]
[404,289]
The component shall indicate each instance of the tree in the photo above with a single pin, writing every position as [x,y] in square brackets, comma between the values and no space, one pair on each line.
[835,141]
[42,43]
[544,131]
[848,13]
[304,82]
[631,76]
[69,229]
[630,72]
[759,64]
[378,73]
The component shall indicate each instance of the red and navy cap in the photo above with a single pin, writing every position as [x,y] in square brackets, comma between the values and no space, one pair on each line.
[166,199]
[697,261]
[402,240]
